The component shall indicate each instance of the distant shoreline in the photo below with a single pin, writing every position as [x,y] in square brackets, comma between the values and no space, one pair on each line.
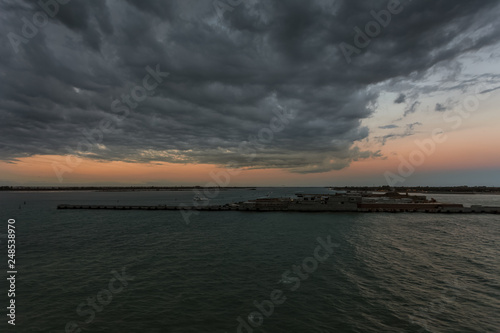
[112,189]
[425,189]
[471,193]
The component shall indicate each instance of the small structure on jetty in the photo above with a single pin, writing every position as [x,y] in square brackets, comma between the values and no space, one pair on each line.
[340,202]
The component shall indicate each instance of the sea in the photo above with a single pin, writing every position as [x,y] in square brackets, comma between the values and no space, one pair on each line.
[167,271]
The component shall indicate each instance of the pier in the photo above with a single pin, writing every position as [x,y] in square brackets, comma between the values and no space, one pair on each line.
[158,207]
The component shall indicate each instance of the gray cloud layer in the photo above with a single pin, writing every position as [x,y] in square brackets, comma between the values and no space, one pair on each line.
[227,76]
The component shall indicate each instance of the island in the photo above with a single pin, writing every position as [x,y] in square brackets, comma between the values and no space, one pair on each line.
[360,202]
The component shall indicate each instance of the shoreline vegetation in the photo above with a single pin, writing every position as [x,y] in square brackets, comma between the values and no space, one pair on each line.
[413,189]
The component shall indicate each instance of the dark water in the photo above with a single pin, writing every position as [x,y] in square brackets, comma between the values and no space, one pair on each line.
[386,272]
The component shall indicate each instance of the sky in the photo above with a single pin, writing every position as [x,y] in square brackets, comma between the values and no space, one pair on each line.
[250,93]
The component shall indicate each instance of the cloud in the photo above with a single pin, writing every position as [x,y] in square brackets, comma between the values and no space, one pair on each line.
[401,99]
[489,90]
[409,130]
[388,126]
[411,108]
[440,107]
[412,126]
[228,76]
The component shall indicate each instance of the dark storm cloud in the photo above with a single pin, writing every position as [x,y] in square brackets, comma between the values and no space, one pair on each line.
[229,73]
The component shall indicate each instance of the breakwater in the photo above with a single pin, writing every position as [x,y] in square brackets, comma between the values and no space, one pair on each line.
[363,208]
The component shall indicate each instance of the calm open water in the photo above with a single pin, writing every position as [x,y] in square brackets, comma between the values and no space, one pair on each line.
[386,272]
